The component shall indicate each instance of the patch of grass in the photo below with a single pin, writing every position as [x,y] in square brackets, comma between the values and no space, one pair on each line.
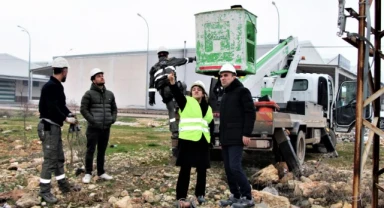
[119,149]
[126,119]
[152,137]
[346,151]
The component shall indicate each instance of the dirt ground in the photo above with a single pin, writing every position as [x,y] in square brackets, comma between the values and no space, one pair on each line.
[145,174]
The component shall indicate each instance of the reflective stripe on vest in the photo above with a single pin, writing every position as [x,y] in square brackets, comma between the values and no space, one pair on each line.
[192,126]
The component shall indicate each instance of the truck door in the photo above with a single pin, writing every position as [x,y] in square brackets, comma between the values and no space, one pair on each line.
[345,107]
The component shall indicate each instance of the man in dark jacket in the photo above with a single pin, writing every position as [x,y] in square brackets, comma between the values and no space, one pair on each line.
[237,117]
[159,82]
[53,113]
[98,107]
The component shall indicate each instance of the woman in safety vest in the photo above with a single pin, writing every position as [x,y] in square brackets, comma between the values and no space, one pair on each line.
[195,129]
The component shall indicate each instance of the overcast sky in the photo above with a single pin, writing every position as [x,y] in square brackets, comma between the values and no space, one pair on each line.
[95,26]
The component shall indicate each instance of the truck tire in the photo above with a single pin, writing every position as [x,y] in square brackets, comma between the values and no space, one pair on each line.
[321,148]
[298,144]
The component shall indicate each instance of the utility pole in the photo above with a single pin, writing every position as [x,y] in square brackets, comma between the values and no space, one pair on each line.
[29,64]
[376,138]
[278,23]
[360,41]
[356,198]
[147,72]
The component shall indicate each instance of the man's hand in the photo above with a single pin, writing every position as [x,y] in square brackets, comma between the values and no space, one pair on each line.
[191,59]
[71,120]
[246,140]
[171,78]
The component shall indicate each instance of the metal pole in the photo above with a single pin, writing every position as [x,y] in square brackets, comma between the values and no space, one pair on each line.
[30,85]
[147,72]
[356,198]
[278,26]
[376,138]
[185,65]
[29,64]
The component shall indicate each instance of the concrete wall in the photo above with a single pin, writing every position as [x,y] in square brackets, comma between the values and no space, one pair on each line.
[125,75]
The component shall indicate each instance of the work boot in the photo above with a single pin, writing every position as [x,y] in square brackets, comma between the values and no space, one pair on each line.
[200,199]
[66,187]
[244,203]
[229,201]
[48,197]
[182,203]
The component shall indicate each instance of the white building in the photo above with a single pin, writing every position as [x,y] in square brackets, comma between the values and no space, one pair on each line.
[126,73]
[14,80]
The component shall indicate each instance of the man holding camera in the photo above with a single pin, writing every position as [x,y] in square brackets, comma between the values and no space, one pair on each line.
[53,113]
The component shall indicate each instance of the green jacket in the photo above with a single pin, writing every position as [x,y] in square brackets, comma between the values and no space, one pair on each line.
[98,107]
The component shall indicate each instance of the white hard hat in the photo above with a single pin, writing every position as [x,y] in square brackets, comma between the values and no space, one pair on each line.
[227,68]
[94,72]
[200,84]
[162,49]
[60,62]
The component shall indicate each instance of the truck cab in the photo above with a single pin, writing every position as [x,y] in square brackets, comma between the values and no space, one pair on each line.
[315,88]
[309,87]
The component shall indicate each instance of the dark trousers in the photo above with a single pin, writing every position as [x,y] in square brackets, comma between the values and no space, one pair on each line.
[237,180]
[99,138]
[183,182]
[53,157]
[167,96]
[173,127]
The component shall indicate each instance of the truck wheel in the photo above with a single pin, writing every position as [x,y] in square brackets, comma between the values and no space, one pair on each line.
[321,148]
[298,143]
[333,137]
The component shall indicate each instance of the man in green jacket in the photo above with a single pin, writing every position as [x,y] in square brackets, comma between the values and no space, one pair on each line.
[98,107]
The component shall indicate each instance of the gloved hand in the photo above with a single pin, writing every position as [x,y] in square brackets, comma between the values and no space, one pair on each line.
[191,59]
[151,98]
[71,120]
[72,115]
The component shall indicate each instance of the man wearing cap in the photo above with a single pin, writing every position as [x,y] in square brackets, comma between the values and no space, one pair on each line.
[237,117]
[53,113]
[98,107]
[159,82]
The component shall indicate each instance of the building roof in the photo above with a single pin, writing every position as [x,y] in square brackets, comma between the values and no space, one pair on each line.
[312,56]
[12,67]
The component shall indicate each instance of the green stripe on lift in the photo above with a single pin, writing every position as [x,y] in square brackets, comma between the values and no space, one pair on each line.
[269,55]
[282,71]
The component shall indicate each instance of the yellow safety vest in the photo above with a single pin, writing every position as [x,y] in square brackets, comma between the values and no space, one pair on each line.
[192,124]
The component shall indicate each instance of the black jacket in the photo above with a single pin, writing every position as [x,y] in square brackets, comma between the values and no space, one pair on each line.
[163,62]
[237,114]
[52,104]
[98,107]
